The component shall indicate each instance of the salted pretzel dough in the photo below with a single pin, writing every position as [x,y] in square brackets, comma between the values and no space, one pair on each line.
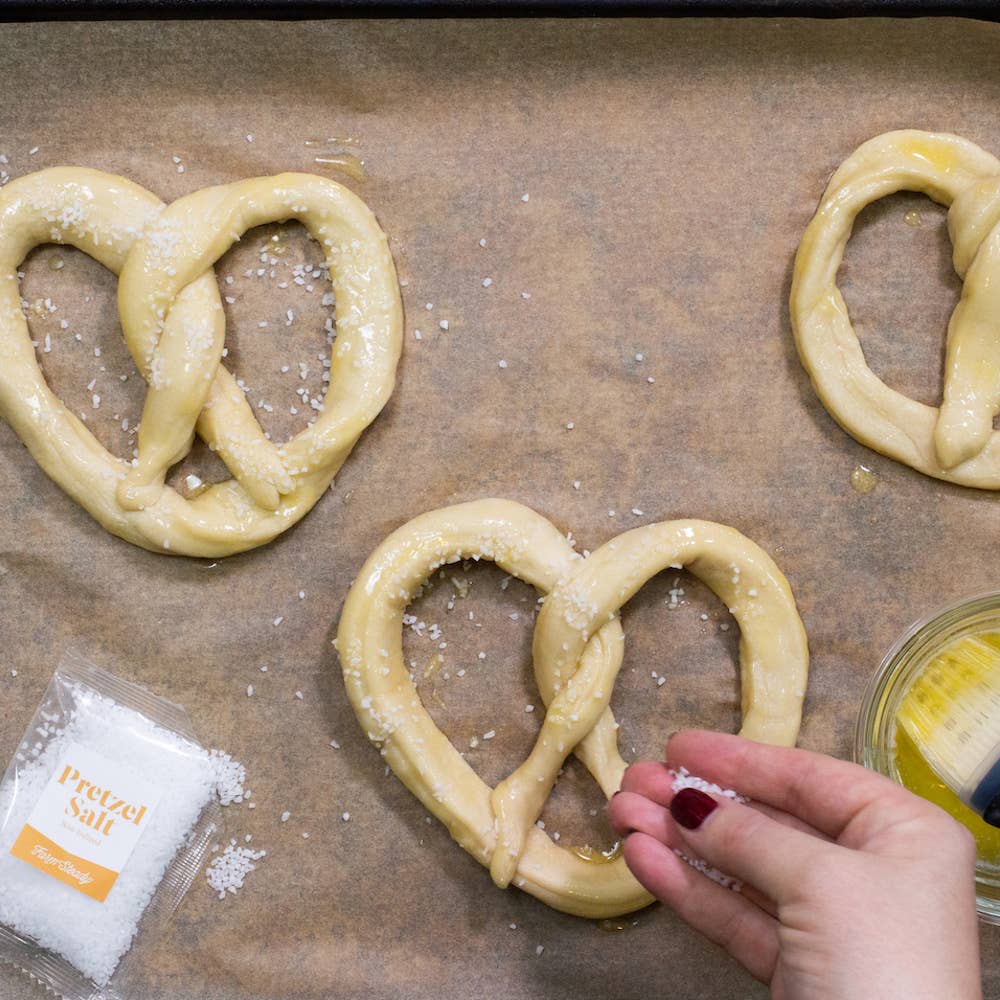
[578,647]
[957,442]
[173,323]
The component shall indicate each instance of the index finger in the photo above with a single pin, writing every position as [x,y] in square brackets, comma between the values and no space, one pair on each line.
[825,792]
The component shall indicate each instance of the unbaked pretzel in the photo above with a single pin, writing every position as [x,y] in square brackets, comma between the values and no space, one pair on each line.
[956,442]
[173,323]
[578,647]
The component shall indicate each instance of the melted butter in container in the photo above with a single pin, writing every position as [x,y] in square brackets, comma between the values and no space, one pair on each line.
[882,745]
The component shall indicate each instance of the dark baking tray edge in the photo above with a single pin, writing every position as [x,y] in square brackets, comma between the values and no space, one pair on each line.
[80,10]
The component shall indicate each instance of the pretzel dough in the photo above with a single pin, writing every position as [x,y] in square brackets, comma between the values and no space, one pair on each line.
[578,647]
[957,442]
[173,322]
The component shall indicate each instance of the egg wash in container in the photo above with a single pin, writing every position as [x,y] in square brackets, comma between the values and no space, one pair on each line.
[106,811]
[933,697]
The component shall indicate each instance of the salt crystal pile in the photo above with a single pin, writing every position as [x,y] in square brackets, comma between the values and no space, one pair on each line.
[229,777]
[90,935]
[228,870]
[720,877]
[684,779]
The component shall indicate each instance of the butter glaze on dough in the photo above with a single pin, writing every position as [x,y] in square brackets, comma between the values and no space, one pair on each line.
[173,323]
[578,647]
[955,442]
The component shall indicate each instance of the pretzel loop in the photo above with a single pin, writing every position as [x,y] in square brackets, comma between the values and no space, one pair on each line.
[955,442]
[173,323]
[577,650]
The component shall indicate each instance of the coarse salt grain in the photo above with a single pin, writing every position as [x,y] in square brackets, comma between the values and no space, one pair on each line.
[228,777]
[719,877]
[227,871]
[682,778]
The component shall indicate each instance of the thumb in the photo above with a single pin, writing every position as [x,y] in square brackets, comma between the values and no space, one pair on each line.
[741,841]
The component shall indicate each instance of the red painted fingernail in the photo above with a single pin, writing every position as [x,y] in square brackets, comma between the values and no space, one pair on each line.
[690,807]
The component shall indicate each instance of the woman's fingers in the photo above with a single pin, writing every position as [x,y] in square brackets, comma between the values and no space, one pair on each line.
[723,916]
[655,782]
[629,812]
[742,841]
[650,778]
[826,793]
[632,812]
[792,822]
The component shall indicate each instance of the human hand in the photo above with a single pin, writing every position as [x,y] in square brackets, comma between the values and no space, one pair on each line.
[854,888]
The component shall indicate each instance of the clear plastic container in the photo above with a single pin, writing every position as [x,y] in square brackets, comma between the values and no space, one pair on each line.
[877,744]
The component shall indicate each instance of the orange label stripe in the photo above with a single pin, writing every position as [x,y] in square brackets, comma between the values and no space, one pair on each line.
[47,856]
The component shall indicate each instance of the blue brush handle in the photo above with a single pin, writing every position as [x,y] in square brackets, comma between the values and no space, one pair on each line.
[986,798]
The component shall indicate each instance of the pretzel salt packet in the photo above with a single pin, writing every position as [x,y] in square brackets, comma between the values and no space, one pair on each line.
[106,813]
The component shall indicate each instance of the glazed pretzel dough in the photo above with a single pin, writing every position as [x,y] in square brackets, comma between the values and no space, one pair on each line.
[956,442]
[173,323]
[578,647]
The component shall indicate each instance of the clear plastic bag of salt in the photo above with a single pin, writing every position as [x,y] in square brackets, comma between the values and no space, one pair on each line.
[106,813]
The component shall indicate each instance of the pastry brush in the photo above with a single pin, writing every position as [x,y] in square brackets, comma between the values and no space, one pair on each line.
[952,714]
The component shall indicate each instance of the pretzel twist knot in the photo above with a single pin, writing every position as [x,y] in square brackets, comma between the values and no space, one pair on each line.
[577,650]
[955,442]
[173,323]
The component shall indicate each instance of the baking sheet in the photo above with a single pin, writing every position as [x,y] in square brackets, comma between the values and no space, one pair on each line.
[670,168]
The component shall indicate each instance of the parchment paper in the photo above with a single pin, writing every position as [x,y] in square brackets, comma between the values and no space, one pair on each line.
[670,168]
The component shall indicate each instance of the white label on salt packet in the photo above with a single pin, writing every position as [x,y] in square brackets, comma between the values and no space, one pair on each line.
[87,821]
